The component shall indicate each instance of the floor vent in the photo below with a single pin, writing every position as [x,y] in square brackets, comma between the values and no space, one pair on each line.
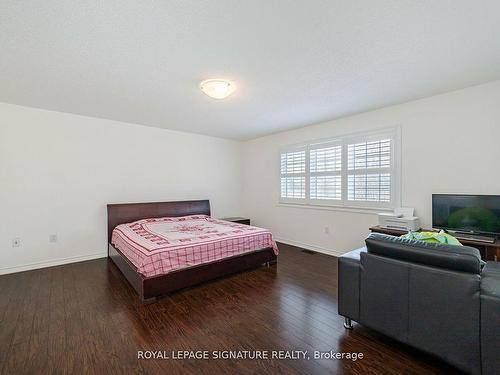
[310,252]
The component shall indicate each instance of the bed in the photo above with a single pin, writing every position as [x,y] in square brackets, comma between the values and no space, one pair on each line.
[162,247]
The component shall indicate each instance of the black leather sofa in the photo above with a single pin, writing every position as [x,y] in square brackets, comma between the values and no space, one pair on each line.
[439,298]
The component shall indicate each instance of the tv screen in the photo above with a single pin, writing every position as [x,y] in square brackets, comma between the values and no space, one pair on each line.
[466,213]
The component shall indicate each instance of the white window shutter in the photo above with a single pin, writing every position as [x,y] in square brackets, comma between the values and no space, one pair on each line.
[325,166]
[358,171]
[369,171]
[293,174]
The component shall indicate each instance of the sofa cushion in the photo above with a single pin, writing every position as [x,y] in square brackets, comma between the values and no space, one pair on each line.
[458,258]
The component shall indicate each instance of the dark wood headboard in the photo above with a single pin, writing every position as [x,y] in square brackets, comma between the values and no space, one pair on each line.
[128,212]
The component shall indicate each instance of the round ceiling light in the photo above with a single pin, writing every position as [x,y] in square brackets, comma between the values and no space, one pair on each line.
[218,88]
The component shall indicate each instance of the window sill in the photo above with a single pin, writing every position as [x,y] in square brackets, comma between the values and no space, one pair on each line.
[360,210]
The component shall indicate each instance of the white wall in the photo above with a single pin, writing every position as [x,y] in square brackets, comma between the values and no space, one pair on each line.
[58,171]
[450,144]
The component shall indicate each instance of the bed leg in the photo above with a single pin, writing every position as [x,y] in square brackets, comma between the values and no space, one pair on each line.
[147,301]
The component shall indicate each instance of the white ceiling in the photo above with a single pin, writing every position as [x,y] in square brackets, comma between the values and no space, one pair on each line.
[295,62]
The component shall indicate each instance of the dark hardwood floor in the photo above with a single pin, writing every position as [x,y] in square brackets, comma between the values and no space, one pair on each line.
[85,318]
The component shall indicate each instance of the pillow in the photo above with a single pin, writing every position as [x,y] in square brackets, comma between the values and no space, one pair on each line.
[434,237]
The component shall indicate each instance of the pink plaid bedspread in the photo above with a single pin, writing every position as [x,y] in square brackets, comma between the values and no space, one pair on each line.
[161,245]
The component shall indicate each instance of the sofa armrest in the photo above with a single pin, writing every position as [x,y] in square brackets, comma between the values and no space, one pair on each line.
[490,318]
[348,284]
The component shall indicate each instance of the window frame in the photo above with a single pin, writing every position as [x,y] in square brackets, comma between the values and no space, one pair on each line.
[393,133]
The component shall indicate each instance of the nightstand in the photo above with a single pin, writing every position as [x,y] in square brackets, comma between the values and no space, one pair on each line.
[239,220]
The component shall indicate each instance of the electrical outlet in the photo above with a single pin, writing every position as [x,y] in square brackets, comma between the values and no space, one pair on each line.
[53,238]
[16,242]
[327,230]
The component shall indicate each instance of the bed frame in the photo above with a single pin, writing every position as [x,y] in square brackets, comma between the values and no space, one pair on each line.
[150,288]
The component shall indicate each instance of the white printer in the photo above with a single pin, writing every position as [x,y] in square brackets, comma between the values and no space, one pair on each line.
[401,219]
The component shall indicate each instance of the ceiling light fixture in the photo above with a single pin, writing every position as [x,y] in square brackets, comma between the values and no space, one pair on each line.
[218,88]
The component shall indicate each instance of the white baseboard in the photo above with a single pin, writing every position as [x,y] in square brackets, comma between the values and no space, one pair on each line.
[51,263]
[306,246]
[61,261]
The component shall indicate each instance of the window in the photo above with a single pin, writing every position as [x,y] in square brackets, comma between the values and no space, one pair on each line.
[350,171]
[325,167]
[293,174]
[369,171]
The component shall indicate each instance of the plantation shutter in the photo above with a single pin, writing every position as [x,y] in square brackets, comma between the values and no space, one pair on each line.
[325,168]
[359,171]
[293,174]
[369,170]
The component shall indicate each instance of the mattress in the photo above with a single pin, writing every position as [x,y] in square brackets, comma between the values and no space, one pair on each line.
[162,245]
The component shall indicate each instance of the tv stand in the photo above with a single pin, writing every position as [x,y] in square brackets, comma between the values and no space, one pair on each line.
[472,237]
[488,250]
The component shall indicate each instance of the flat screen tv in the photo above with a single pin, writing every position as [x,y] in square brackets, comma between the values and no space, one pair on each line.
[475,214]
